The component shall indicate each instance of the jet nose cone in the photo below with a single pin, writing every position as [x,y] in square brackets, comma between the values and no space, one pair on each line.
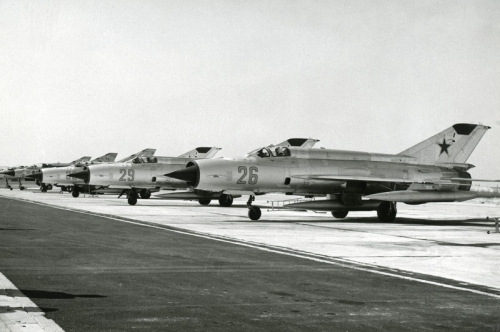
[83,175]
[36,176]
[189,174]
[9,172]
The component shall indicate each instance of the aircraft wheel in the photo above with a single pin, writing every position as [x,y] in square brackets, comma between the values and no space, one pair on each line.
[225,200]
[132,200]
[49,187]
[43,190]
[21,188]
[340,214]
[75,193]
[387,211]
[9,187]
[145,193]
[254,212]
[204,201]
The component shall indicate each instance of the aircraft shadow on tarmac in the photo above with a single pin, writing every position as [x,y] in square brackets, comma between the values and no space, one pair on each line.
[38,294]
[371,221]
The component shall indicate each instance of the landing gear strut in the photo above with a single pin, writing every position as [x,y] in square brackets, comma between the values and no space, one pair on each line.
[254,212]
[43,188]
[387,211]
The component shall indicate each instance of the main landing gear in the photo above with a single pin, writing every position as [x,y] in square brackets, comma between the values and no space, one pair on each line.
[254,212]
[44,187]
[340,214]
[387,211]
[204,201]
[225,200]
[145,193]
[75,192]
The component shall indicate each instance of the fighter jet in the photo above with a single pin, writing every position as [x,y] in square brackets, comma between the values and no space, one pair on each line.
[139,177]
[6,177]
[57,176]
[434,170]
[143,176]
[60,176]
[20,173]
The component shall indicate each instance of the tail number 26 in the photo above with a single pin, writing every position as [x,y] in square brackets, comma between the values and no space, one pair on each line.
[252,177]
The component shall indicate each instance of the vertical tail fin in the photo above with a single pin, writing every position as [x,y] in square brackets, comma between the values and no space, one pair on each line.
[143,153]
[107,158]
[452,145]
[81,160]
[201,152]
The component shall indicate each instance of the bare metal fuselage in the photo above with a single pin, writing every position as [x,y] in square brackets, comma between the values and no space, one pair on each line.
[144,175]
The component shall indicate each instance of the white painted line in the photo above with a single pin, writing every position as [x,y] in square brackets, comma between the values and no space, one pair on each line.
[283,251]
[13,313]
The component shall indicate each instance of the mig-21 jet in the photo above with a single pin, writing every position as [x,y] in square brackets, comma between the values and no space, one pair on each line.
[139,176]
[144,175]
[21,172]
[60,178]
[434,170]
[57,176]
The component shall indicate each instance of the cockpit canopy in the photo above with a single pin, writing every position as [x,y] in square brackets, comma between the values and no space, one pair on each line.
[278,151]
[145,160]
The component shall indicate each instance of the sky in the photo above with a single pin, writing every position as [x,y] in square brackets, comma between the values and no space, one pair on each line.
[91,77]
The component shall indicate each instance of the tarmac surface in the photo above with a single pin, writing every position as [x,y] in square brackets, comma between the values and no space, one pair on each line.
[98,264]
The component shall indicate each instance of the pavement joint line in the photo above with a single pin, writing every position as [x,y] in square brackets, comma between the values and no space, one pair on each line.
[391,235]
[17,318]
[338,261]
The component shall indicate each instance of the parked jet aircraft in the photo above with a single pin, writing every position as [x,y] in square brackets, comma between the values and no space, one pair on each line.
[21,172]
[60,178]
[140,176]
[434,170]
[6,177]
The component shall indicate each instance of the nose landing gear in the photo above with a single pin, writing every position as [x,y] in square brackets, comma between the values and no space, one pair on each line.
[254,212]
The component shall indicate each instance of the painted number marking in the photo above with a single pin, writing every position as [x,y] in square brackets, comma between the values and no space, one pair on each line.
[124,172]
[252,177]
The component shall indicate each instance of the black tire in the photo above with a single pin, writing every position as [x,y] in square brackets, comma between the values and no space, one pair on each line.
[204,201]
[132,200]
[10,187]
[340,214]
[49,187]
[386,212]
[21,188]
[145,193]
[254,212]
[225,200]
[43,190]
[75,193]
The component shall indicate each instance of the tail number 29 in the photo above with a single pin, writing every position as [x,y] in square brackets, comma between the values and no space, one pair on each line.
[252,177]
[123,172]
